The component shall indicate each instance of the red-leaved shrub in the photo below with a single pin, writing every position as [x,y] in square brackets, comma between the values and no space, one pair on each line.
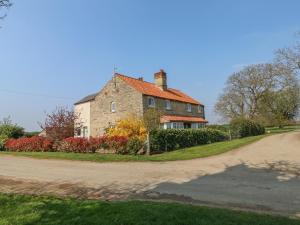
[77,145]
[33,144]
[117,144]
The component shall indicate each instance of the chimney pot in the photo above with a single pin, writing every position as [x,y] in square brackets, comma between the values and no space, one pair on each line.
[161,79]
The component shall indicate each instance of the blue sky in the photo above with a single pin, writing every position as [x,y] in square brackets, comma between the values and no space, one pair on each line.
[54,52]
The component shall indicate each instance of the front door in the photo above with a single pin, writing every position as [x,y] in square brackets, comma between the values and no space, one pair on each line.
[187,125]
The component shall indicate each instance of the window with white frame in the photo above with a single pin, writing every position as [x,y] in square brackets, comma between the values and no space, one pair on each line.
[200,109]
[188,107]
[113,106]
[177,125]
[168,104]
[151,102]
[168,125]
[85,132]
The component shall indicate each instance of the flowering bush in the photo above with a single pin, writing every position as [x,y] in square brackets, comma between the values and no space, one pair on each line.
[33,144]
[131,127]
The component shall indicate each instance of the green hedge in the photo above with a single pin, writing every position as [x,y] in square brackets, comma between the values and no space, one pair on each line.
[242,127]
[172,139]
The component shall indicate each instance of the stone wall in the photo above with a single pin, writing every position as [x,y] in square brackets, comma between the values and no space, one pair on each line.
[177,108]
[128,102]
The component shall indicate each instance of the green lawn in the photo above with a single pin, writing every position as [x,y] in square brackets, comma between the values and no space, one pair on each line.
[275,130]
[182,154]
[25,210]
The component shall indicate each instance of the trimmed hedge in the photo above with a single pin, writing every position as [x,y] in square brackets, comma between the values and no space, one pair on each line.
[242,127]
[172,139]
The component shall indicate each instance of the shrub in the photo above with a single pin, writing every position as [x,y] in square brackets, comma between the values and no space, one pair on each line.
[242,127]
[31,134]
[116,143]
[172,139]
[3,139]
[33,144]
[134,145]
[10,130]
[131,127]
[224,128]
[76,145]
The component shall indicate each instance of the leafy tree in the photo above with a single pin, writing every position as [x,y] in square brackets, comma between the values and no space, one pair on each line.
[278,108]
[250,92]
[61,123]
[10,130]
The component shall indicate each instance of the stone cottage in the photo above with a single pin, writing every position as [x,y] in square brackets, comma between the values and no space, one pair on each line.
[123,96]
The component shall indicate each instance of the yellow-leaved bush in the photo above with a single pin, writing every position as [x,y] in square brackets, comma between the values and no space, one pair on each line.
[131,127]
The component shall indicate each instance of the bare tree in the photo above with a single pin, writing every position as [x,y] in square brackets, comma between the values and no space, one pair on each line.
[246,91]
[290,56]
[4,4]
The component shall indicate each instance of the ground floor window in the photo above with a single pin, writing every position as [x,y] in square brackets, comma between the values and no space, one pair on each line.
[182,125]
[85,132]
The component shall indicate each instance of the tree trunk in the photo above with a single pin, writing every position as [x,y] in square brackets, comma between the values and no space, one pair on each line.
[148,144]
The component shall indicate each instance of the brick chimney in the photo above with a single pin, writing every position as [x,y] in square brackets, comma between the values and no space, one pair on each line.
[161,80]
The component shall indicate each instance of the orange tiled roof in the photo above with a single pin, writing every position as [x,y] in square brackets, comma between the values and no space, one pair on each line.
[169,118]
[151,89]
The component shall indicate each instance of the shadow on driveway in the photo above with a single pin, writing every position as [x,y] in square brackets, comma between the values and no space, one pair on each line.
[273,187]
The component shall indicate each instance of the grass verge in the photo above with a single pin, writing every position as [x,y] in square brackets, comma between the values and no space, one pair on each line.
[21,210]
[182,154]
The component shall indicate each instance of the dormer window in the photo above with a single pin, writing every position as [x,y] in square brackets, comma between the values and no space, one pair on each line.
[168,104]
[188,107]
[200,109]
[113,107]
[151,102]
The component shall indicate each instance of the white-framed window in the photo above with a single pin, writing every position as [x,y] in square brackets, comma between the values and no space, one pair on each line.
[188,107]
[113,107]
[168,104]
[197,125]
[168,125]
[151,102]
[177,125]
[200,109]
[85,132]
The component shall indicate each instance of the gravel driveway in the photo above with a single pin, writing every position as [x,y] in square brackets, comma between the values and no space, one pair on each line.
[261,176]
